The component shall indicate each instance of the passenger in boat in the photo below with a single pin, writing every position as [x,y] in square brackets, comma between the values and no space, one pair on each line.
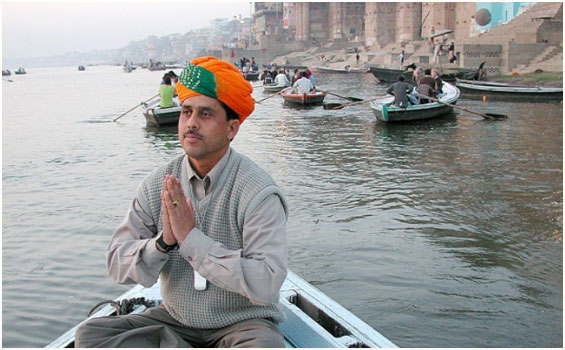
[281,79]
[400,90]
[417,75]
[167,93]
[296,76]
[267,79]
[210,225]
[438,83]
[303,85]
[310,76]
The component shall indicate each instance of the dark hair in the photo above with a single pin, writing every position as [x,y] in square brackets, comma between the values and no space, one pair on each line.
[167,80]
[400,78]
[230,114]
[303,74]
[428,71]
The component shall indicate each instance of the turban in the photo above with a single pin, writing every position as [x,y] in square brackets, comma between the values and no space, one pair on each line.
[215,78]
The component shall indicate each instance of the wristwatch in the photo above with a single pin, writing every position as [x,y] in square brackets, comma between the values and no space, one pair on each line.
[161,243]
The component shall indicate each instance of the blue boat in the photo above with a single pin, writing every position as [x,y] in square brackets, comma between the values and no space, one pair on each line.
[313,320]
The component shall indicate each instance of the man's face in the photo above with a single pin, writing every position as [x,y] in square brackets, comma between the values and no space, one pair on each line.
[204,131]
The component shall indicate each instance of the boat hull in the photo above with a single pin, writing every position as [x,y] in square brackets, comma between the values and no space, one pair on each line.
[273,88]
[386,75]
[313,320]
[323,69]
[304,99]
[510,92]
[162,116]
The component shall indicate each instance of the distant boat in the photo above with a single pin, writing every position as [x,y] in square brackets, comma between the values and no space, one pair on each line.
[21,70]
[390,75]
[251,75]
[346,69]
[273,87]
[81,68]
[509,91]
[6,72]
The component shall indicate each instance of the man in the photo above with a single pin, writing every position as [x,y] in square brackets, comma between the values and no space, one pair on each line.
[400,90]
[281,79]
[438,83]
[303,85]
[210,224]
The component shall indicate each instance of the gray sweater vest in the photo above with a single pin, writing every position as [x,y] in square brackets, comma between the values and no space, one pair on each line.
[240,189]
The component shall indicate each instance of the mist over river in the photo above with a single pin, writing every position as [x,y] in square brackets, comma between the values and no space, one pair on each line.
[440,233]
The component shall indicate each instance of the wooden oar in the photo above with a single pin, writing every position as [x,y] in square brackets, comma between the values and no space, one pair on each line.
[275,94]
[135,107]
[354,99]
[358,102]
[484,115]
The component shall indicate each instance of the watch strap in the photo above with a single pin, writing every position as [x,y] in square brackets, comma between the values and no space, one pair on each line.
[167,248]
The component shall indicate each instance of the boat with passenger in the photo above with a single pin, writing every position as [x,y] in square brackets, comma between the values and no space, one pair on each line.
[20,70]
[389,75]
[272,88]
[313,320]
[6,72]
[386,112]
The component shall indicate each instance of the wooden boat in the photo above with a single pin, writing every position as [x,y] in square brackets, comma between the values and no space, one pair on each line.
[346,69]
[509,91]
[81,68]
[6,72]
[388,75]
[20,70]
[273,87]
[386,112]
[303,99]
[251,75]
[157,116]
[313,320]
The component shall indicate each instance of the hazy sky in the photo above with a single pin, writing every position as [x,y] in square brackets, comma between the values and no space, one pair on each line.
[48,28]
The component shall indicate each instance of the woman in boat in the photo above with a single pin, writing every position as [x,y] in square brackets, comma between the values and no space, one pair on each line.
[217,243]
[167,93]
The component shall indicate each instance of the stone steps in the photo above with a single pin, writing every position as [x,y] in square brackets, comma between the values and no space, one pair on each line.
[550,59]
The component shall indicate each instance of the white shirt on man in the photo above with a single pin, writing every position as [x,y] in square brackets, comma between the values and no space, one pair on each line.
[303,85]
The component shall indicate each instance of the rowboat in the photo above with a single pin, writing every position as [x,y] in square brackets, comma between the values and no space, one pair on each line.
[386,112]
[304,99]
[388,75]
[157,116]
[6,72]
[508,91]
[20,70]
[273,88]
[313,320]
[251,75]
[346,69]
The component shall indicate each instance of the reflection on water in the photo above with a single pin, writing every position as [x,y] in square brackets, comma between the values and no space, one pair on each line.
[438,233]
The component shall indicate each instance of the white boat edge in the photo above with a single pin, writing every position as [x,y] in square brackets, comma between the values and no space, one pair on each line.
[451,96]
[509,89]
[313,320]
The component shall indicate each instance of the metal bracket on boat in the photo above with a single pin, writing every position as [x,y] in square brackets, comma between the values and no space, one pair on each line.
[125,306]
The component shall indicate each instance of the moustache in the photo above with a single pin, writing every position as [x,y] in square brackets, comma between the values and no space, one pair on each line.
[192,132]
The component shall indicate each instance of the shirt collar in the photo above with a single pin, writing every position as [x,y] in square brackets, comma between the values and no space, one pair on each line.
[214,174]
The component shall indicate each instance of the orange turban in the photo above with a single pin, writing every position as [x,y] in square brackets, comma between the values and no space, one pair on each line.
[215,78]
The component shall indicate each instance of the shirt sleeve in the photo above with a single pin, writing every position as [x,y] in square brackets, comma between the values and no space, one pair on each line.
[132,256]
[258,270]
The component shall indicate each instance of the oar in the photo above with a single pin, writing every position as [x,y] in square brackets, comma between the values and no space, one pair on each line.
[354,99]
[275,94]
[484,115]
[357,103]
[135,107]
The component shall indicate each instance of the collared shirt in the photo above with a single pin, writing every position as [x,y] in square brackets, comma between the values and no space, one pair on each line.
[303,85]
[256,271]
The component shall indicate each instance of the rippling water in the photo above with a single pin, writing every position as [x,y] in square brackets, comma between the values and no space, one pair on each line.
[443,233]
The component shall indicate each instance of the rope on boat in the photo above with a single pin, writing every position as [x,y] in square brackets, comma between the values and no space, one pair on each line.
[125,306]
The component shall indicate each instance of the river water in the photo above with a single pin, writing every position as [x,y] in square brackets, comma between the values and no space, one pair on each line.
[442,233]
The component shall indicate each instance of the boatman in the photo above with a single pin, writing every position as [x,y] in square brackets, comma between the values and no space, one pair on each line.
[210,224]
